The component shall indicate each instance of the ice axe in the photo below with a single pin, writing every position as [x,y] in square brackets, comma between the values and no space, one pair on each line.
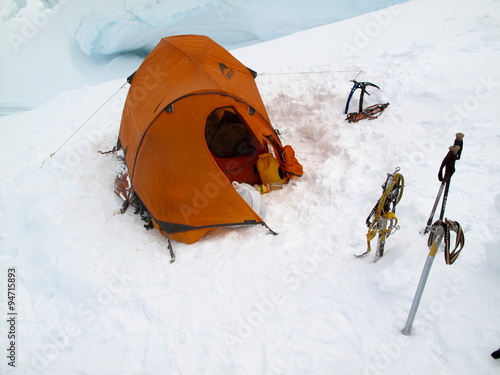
[362,86]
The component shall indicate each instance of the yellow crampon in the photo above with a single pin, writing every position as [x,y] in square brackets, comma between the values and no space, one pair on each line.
[374,228]
[382,219]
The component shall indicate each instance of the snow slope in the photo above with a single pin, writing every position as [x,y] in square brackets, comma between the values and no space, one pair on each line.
[97,295]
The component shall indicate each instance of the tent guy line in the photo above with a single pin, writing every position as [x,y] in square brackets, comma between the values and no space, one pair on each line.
[311,72]
[84,123]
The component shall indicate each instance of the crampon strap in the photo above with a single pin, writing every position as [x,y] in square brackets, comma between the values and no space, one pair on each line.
[450,256]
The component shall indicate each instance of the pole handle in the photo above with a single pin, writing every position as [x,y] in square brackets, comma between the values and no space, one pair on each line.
[448,164]
[454,154]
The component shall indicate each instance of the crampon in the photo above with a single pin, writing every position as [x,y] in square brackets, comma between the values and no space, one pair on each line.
[370,113]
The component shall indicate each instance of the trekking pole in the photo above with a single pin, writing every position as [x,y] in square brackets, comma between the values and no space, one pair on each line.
[438,231]
[436,202]
[449,165]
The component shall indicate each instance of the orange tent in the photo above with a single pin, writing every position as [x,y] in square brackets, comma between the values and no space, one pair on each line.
[185,84]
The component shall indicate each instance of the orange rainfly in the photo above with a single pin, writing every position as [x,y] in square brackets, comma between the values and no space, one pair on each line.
[192,124]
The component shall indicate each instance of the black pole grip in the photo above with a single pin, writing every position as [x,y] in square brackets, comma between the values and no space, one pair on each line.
[448,165]
[453,155]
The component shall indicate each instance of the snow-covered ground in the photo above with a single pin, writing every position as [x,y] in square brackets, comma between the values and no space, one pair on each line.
[95,293]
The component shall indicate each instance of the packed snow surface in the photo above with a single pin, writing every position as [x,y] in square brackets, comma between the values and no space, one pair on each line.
[95,292]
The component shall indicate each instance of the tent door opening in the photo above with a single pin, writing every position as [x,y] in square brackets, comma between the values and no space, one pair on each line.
[233,145]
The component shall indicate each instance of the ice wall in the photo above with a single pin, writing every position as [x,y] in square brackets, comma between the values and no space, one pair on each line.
[50,46]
